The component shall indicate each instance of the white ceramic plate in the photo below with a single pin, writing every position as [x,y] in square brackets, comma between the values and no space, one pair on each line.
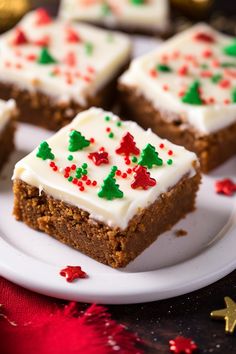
[170,267]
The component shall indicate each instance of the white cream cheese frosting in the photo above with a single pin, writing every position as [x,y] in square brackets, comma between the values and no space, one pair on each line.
[7,110]
[152,14]
[65,61]
[199,59]
[78,179]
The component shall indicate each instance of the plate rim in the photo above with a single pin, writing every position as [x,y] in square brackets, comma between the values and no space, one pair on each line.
[14,266]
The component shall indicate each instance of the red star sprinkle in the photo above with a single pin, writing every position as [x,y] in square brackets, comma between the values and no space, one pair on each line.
[72,273]
[127,146]
[72,36]
[20,37]
[204,37]
[225,186]
[182,345]
[142,178]
[42,17]
[99,158]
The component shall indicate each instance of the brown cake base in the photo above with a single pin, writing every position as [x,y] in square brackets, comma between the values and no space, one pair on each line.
[6,142]
[39,109]
[107,245]
[212,149]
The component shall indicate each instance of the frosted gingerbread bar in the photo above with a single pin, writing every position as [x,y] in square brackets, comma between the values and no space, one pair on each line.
[55,69]
[7,129]
[105,187]
[186,92]
[142,16]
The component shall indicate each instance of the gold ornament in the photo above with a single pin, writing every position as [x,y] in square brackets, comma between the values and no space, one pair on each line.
[228,314]
[11,11]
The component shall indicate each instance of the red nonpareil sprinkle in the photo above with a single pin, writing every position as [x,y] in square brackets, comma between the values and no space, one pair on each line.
[129,171]
[206,73]
[108,129]
[86,78]
[94,183]
[127,161]
[165,87]
[207,53]
[230,72]
[90,69]
[182,345]
[118,173]
[153,73]
[204,37]
[66,175]
[19,37]
[225,186]
[161,146]
[124,175]
[18,66]
[84,178]
[102,149]
[55,168]
[67,169]
[210,100]
[225,83]
[181,93]
[183,70]
[80,184]
[170,152]
[43,41]
[189,57]
[215,63]
[73,167]
[31,57]
[72,36]
[42,17]
[164,58]
[72,273]
[75,181]
[92,140]
[226,101]
[88,182]
[52,164]
[70,59]
[99,158]
[81,188]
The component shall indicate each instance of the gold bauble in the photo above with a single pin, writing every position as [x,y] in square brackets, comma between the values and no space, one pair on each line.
[11,11]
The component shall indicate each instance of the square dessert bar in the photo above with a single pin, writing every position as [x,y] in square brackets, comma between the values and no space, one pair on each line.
[186,92]
[7,129]
[145,16]
[105,187]
[55,69]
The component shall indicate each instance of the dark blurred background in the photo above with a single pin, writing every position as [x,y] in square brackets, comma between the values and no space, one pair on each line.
[221,14]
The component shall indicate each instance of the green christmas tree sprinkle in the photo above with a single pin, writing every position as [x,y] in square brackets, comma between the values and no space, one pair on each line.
[170,162]
[164,68]
[110,190]
[44,151]
[118,124]
[107,118]
[230,49]
[45,57]
[216,78]
[77,141]
[149,157]
[233,95]
[111,135]
[192,96]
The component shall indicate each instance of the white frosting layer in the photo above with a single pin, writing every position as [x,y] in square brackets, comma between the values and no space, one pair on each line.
[151,15]
[79,72]
[7,109]
[92,124]
[202,61]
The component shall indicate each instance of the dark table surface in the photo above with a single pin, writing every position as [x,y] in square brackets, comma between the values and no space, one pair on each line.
[188,315]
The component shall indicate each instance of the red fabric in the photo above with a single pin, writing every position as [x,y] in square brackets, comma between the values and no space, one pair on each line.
[32,323]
